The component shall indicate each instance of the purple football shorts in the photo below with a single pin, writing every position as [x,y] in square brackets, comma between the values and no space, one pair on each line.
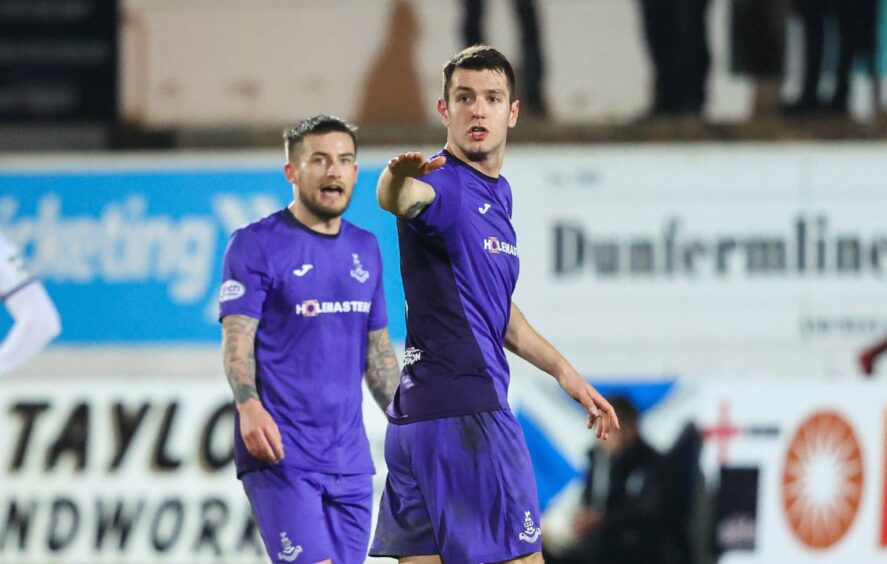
[461,487]
[311,516]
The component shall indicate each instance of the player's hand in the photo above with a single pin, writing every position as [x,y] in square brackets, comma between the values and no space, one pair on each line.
[414,164]
[867,361]
[259,432]
[599,410]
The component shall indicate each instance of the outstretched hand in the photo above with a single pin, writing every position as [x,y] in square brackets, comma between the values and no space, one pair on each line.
[414,164]
[599,410]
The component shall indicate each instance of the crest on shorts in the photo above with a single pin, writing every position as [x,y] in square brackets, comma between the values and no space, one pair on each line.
[531,532]
[288,552]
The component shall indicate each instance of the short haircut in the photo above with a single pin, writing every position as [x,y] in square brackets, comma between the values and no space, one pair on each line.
[315,125]
[478,57]
[625,409]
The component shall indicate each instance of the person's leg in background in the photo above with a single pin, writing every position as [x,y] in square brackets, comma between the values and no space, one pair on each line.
[697,58]
[658,23]
[532,59]
[472,22]
[811,14]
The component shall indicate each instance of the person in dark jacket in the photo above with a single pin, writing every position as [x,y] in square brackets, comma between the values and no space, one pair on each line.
[623,514]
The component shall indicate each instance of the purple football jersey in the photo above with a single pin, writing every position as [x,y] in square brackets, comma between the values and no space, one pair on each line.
[316,297]
[459,264]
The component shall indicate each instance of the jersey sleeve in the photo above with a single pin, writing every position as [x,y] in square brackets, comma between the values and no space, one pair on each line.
[245,277]
[13,275]
[442,212]
[378,312]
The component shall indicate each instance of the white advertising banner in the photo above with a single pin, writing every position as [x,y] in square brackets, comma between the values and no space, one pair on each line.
[816,455]
[704,261]
[821,467]
[117,471]
[120,471]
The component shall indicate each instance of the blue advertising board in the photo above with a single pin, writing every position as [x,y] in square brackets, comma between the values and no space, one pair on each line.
[134,255]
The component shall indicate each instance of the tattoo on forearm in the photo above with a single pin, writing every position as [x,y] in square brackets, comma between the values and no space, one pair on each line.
[238,344]
[382,371]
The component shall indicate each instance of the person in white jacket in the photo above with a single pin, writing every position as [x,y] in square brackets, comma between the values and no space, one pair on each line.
[36,321]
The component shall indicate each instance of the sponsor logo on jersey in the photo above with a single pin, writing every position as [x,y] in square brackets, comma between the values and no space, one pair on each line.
[231,290]
[484,208]
[411,356]
[313,308]
[303,270]
[494,246]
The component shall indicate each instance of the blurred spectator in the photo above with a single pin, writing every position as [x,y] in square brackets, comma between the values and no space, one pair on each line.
[757,48]
[870,355]
[626,504]
[856,29]
[532,64]
[35,318]
[675,32]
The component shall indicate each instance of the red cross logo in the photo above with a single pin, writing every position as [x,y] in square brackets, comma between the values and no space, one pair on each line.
[723,432]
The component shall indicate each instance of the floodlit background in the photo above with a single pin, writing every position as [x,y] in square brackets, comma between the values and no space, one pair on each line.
[701,225]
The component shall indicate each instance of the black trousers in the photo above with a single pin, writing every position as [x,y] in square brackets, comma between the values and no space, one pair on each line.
[857,30]
[675,32]
[531,56]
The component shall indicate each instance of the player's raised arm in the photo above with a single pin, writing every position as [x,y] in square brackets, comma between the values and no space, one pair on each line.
[398,190]
[524,341]
[259,431]
[382,372]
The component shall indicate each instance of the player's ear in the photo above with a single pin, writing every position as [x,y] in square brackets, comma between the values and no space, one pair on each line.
[512,115]
[289,171]
[442,110]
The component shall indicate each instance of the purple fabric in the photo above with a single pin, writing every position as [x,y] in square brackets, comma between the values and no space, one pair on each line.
[459,265]
[309,516]
[316,297]
[462,487]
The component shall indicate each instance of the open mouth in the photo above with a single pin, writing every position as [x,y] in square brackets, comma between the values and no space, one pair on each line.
[478,133]
[332,190]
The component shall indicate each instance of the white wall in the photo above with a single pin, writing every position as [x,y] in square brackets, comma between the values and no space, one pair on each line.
[216,62]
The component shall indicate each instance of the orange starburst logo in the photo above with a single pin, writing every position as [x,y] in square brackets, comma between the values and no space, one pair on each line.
[822,480]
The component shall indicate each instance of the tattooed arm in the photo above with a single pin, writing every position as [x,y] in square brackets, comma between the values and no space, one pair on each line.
[259,431]
[382,372]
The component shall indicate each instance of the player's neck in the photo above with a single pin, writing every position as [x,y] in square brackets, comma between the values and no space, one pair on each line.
[314,223]
[490,166]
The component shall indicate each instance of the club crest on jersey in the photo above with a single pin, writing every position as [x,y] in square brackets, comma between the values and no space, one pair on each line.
[531,532]
[494,246]
[358,273]
[288,552]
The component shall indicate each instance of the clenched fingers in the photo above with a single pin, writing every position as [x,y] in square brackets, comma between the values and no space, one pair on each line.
[265,444]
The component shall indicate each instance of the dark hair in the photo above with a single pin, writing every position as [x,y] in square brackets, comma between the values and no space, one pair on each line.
[625,409]
[315,125]
[478,57]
